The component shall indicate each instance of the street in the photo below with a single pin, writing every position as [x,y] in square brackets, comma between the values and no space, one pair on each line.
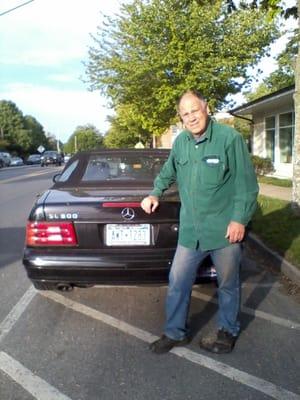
[92,344]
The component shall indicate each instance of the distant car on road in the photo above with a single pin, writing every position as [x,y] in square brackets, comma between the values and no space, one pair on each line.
[89,227]
[16,161]
[51,157]
[67,158]
[33,159]
[5,159]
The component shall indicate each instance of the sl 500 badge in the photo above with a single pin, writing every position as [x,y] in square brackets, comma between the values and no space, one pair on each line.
[63,216]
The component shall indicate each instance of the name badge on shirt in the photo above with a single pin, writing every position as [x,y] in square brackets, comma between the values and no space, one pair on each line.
[212,161]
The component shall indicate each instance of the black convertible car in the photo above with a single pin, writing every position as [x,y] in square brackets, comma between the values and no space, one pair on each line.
[89,228]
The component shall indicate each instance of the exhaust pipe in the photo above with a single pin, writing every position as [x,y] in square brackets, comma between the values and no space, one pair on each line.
[64,287]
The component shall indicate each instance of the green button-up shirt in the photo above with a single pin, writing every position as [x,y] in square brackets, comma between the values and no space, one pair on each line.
[216,182]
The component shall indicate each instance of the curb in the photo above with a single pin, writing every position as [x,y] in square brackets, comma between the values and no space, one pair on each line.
[278,262]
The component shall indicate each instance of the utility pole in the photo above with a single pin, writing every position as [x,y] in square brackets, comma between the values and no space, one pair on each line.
[75,143]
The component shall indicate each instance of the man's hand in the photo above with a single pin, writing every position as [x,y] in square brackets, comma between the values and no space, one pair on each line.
[235,232]
[149,204]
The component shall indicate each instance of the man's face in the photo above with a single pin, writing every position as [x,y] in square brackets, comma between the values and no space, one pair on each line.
[194,113]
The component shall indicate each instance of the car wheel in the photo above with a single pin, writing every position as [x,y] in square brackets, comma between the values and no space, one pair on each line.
[1,164]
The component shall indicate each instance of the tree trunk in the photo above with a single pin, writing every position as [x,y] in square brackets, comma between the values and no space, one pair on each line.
[296,157]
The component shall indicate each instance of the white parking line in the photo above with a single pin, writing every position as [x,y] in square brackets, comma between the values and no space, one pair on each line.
[234,374]
[16,312]
[250,311]
[247,310]
[36,386]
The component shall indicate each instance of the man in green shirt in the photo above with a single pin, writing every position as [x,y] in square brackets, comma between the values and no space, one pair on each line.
[218,189]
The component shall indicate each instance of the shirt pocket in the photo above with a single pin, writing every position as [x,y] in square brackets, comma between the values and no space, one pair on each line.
[182,166]
[181,162]
[212,170]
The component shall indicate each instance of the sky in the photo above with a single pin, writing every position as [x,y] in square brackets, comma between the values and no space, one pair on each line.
[42,48]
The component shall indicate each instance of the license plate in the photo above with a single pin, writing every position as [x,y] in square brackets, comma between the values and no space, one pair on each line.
[127,235]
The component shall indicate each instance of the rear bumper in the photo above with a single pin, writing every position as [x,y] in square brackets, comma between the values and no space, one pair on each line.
[123,268]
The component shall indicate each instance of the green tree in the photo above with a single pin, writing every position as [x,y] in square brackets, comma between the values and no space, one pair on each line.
[36,133]
[124,130]
[19,134]
[11,122]
[284,75]
[85,137]
[155,49]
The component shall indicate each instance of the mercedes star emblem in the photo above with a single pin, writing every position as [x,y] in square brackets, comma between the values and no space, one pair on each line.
[128,213]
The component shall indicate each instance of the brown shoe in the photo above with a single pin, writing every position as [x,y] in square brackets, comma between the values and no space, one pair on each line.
[165,344]
[223,343]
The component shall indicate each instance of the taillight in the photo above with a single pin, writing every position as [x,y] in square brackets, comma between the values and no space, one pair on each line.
[50,234]
[120,204]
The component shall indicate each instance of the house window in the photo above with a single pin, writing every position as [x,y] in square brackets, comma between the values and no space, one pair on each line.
[270,137]
[286,136]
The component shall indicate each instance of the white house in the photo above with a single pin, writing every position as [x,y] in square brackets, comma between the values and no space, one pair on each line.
[273,121]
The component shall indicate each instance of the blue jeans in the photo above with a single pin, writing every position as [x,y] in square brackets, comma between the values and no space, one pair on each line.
[181,279]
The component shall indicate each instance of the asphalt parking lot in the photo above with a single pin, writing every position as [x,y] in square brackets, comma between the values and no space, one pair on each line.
[92,344]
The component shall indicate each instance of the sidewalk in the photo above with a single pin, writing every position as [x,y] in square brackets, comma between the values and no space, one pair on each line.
[277,192]
[278,262]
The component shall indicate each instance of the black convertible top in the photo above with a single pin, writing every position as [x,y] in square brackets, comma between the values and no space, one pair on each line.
[107,164]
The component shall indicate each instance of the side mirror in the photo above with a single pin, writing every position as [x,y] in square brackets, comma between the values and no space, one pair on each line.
[56,178]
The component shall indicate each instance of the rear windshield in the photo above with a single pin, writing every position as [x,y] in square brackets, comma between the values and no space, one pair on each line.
[118,167]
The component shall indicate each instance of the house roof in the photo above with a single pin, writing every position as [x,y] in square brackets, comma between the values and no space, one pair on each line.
[266,103]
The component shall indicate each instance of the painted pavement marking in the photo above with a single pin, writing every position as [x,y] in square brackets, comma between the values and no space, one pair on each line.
[33,384]
[256,313]
[247,310]
[16,312]
[234,374]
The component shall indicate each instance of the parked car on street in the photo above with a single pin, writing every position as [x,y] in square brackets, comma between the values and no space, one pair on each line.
[89,228]
[51,157]
[33,159]
[16,161]
[5,159]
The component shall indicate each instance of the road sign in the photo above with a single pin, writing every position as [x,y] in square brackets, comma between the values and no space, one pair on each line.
[40,149]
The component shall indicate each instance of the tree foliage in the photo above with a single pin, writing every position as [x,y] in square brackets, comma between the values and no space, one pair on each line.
[85,137]
[124,130]
[284,75]
[155,49]
[20,134]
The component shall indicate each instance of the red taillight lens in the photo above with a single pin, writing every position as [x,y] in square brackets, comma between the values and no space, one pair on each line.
[50,234]
[121,204]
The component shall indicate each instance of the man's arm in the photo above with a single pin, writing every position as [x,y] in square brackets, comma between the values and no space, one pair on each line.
[163,181]
[246,189]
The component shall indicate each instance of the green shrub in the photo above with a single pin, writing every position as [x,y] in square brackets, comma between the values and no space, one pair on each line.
[262,166]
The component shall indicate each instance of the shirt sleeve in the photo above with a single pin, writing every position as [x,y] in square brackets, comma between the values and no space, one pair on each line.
[245,181]
[166,176]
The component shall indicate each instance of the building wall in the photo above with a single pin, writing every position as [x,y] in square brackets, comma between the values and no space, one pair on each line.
[282,170]
[166,140]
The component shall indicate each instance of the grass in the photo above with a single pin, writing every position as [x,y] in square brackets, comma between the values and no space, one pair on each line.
[278,227]
[275,181]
